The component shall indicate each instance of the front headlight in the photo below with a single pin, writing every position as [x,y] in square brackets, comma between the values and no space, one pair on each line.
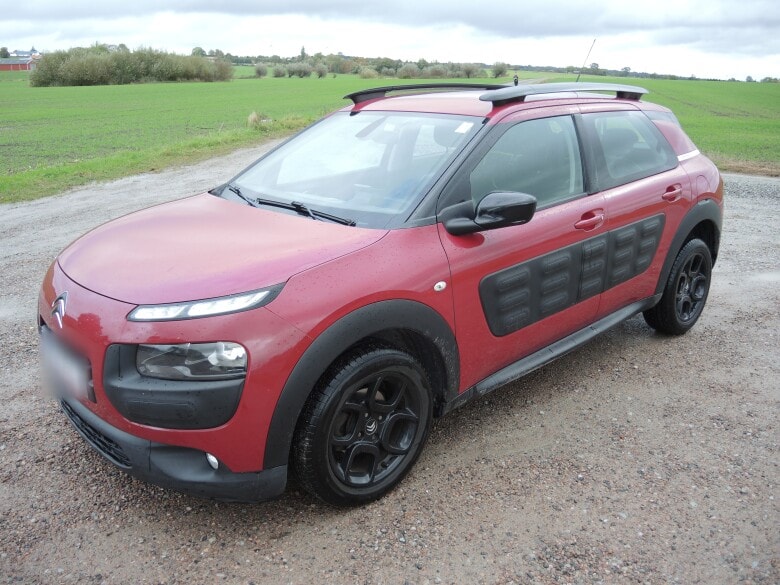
[205,307]
[221,360]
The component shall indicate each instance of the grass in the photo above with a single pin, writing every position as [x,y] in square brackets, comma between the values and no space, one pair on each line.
[55,138]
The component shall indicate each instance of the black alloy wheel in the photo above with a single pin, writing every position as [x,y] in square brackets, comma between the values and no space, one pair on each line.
[364,427]
[686,291]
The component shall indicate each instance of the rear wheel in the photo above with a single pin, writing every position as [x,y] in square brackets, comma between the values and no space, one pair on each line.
[364,427]
[685,292]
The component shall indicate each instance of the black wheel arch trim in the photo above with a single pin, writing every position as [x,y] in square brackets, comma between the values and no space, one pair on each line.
[366,322]
[704,211]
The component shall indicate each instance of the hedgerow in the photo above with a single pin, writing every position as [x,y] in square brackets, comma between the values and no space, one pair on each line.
[99,65]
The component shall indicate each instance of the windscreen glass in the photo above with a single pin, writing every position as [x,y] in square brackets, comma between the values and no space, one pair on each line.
[371,167]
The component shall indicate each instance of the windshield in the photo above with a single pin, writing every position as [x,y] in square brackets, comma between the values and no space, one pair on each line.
[371,167]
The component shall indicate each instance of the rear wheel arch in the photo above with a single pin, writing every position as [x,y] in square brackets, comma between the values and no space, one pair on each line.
[709,233]
[702,222]
[409,326]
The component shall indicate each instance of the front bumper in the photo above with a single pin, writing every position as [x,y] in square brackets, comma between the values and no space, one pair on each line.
[178,468]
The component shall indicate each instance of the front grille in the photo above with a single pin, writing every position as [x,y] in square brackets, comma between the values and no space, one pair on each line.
[105,446]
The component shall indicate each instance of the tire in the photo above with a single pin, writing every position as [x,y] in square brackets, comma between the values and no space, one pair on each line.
[363,427]
[685,292]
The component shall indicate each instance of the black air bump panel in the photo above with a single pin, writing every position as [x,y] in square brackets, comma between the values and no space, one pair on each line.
[523,294]
[594,266]
[631,249]
[520,295]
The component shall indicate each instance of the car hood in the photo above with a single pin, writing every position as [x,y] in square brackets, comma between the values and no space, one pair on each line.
[203,247]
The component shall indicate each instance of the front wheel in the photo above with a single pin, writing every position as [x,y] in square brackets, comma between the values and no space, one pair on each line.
[363,427]
[685,292]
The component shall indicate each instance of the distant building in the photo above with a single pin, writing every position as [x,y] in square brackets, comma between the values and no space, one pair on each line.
[22,54]
[17,64]
[21,60]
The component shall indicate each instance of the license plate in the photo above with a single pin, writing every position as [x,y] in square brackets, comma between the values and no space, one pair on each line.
[65,373]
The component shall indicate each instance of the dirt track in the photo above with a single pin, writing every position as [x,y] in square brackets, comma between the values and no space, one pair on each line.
[637,458]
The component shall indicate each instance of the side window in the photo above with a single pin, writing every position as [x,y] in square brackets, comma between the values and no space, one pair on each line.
[538,157]
[628,146]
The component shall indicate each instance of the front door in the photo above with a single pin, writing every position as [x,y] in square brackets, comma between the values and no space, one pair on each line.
[520,288]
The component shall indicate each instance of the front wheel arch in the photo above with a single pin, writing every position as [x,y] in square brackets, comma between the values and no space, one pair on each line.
[388,321]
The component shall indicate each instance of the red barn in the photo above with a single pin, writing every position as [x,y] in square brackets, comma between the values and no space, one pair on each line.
[17,64]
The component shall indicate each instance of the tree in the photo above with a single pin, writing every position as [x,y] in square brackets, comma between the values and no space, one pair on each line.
[500,69]
[303,54]
[625,71]
[749,79]
[596,70]
[4,54]
[470,70]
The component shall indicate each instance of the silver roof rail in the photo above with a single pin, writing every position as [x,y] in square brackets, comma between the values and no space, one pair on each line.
[518,93]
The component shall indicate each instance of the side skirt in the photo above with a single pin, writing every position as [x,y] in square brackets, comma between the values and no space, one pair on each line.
[546,355]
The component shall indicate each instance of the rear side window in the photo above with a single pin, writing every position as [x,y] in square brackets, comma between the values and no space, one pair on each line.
[539,157]
[626,146]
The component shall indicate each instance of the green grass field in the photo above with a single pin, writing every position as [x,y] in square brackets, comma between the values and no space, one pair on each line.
[55,138]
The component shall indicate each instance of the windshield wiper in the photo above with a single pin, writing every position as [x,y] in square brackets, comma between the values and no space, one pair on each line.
[315,214]
[293,206]
[237,191]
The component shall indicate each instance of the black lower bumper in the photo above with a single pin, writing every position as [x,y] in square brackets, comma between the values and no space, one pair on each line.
[178,468]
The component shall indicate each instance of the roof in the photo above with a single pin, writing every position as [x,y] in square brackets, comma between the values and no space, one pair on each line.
[16,61]
[481,99]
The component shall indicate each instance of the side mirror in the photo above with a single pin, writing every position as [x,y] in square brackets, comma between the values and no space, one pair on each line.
[496,210]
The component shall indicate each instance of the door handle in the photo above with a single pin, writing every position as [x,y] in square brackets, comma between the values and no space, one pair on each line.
[590,220]
[673,193]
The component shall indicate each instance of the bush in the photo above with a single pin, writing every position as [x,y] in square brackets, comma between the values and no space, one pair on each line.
[47,73]
[387,72]
[408,71]
[368,73]
[300,69]
[320,70]
[261,70]
[98,65]
[470,70]
[280,71]
[434,72]
[223,70]
[500,69]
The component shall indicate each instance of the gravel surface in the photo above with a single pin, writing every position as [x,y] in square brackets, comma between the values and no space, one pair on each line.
[635,459]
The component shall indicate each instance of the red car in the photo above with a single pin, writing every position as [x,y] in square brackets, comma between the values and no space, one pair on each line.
[418,248]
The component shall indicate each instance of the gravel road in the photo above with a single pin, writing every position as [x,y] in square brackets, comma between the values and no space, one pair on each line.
[636,459]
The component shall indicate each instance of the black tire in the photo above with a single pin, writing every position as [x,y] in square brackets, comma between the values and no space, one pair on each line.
[363,427]
[685,292]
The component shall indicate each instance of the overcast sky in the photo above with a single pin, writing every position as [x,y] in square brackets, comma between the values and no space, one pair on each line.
[706,38]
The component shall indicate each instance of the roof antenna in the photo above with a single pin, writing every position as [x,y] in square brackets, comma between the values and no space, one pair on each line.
[585,61]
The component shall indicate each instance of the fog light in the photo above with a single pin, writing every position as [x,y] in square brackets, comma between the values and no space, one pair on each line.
[213,461]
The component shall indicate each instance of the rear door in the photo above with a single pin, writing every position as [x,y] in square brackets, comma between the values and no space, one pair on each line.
[519,288]
[645,195]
